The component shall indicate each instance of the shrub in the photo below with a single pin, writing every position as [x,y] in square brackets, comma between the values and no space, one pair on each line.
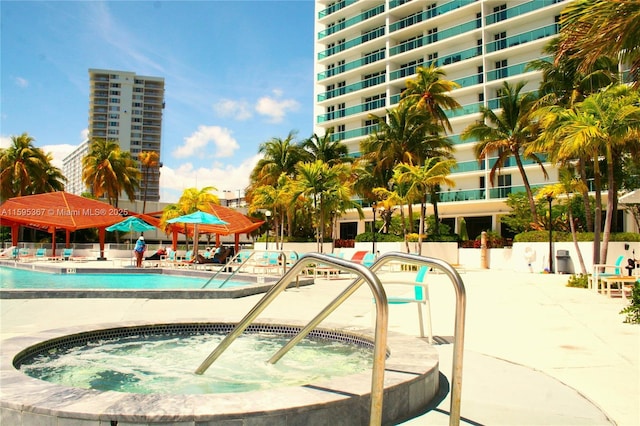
[633,310]
[580,281]
[543,236]
[380,238]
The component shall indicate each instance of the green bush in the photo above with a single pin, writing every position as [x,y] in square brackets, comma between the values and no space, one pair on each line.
[380,238]
[633,310]
[580,281]
[543,236]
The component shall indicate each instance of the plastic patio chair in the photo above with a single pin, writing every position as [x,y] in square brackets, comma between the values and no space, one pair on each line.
[420,298]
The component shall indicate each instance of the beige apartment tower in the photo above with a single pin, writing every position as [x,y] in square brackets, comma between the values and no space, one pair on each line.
[128,108]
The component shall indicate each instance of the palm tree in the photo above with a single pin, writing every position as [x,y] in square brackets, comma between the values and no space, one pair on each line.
[325,149]
[277,199]
[591,29]
[569,184]
[279,156]
[322,185]
[420,179]
[508,134]
[600,126]
[108,171]
[429,92]
[149,160]
[564,84]
[25,169]
[191,201]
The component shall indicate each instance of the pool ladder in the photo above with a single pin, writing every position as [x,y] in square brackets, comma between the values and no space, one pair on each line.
[363,274]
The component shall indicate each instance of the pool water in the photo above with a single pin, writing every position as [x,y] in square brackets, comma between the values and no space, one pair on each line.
[11,278]
[165,364]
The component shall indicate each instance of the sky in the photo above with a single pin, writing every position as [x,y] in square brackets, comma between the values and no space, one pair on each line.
[237,73]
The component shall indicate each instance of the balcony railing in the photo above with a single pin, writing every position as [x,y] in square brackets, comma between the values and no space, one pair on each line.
[511,70]
[352,87]
[368,106]
[369,59]
[437,36]
[351,21]
[362,131]
[548,31]
[427,14]
[373,34]
[521,9]
[335,7]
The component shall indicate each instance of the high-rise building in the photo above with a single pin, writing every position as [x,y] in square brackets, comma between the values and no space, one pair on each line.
[72,169]
[365,51]
[127,108]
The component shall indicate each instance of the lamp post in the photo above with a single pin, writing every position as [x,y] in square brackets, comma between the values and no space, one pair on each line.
[373,227]
[267,214]
[550,199]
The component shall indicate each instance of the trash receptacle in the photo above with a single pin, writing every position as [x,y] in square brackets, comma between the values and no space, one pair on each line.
[562,261]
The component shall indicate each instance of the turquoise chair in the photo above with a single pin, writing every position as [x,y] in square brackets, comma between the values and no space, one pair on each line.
[369,259]
[41,254]
[67,253]
[420,298]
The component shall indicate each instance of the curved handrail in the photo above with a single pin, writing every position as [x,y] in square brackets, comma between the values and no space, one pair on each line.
[458,344]
[382,316]
[233,272]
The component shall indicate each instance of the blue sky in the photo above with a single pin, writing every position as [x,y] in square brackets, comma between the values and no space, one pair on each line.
[237,73]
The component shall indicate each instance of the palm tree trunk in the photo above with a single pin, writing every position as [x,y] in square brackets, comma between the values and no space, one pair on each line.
[574,236]
[585,195]
[404,229]
[527,187]
[611,191]
[597,222]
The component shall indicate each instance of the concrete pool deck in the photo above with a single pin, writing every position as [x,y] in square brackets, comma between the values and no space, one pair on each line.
[536,352]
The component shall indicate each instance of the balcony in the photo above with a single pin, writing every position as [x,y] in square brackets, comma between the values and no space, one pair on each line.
[427,14]
[437,36]
[351,88]
[511,70]
[363,131]
[368,106]
[371,35]
[334,8]
[351,21]
[548,31]
[369,59]
[521,9]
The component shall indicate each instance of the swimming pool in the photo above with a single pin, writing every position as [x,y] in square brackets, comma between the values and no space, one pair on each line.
[22,279]
[33,281]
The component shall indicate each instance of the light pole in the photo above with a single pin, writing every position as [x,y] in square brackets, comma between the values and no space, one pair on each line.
[550,199]
[267,214]
[373,227]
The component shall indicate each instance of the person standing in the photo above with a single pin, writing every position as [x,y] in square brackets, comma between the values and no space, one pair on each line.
[139,250]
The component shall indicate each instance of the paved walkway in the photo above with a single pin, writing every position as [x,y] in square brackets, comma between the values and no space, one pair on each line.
[536,352]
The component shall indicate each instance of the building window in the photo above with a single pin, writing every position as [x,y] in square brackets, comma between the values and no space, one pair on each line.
[114,100]
[501,68]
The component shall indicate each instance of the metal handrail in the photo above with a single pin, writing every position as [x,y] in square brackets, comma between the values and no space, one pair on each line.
[382,317]
[458,344]
[233,272]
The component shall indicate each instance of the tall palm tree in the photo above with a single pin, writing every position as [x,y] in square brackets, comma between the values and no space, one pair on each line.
[428,91]
[279,156]
[565,84]
[508,134]
[420,178]
[600,126]
[108,171]
[25,169]
[325,149]
[321,184]
[191,201]
[569,184]
[149,160]
[591,29]
[277,199]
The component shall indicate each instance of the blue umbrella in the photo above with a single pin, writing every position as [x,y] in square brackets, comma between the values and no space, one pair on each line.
[131,224]
[198,218]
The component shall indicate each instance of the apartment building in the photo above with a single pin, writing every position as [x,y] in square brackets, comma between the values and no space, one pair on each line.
[72,169]
[128,108]
[366,50]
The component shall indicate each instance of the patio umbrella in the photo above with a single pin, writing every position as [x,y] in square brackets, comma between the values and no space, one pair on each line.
[198,218]
[131,224]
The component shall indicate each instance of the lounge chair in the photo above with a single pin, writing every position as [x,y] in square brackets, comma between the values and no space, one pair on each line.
[10,253]
[41,254]
[597,276]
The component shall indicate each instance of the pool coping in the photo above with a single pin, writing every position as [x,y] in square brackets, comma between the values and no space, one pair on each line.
[411,381]
[197,293]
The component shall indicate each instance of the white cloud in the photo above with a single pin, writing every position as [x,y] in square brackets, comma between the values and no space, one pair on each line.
[173,181]
[197,144]
[21,82]
[239,110]
[5,142]
[59,152]
[276,108]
